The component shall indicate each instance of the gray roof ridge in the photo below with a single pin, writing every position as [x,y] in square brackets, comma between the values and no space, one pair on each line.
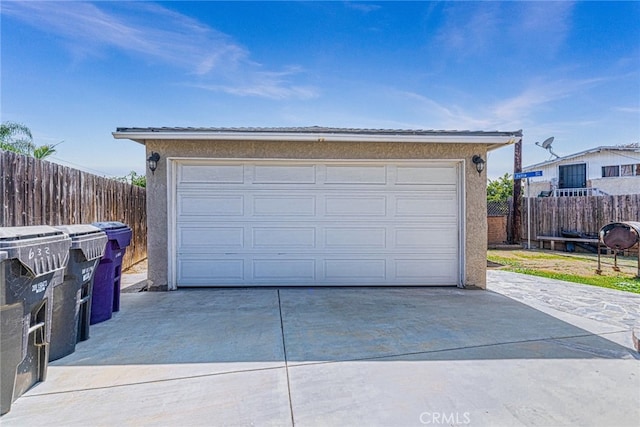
[317,129]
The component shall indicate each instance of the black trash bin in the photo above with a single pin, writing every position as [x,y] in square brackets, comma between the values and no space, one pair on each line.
[106,283]
[72,297]
[32,262]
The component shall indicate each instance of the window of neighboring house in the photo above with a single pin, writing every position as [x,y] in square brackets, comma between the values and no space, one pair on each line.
[630,170]
[572,176]
[608,171]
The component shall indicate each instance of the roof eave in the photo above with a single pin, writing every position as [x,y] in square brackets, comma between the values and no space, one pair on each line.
[492,141]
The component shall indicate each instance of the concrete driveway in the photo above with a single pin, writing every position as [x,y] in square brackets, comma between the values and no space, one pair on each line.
[339,356]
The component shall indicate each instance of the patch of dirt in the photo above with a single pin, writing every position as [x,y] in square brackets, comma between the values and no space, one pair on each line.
[140,267]
[580,264]
[491,264]
[141,286]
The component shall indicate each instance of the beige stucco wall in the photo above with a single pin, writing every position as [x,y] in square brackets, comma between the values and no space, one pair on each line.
[475,186]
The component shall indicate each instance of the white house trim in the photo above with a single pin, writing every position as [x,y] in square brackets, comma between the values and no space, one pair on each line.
[492,140]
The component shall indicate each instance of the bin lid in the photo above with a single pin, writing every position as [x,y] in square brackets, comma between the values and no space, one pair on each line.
[22,233]
[78,229]
[40,249]
[88,239]
[110,225]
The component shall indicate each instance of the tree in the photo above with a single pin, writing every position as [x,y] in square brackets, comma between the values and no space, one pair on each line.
[17,138]
[500,189]
[44,151]
[134,179]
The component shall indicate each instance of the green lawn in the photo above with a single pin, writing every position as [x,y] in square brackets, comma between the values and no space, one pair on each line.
[578,268]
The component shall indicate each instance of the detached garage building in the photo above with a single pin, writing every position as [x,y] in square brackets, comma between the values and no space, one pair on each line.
[316,206]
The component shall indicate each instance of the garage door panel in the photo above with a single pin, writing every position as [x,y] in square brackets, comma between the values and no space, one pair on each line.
[429,270]
[350,175]
[360,206]
[303,222]
[284,237]
[355,238]
[432,175]
[210,204]
[211,271]
[427,239]
[280,174]
[284,270]
[229,270]
[346,270]
[419,206]
[278,205]
[216,174]
[210,238]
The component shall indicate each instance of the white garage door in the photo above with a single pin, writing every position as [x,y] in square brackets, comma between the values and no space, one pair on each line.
[247,223]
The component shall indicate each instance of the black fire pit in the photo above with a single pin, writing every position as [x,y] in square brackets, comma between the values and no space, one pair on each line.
[619,236]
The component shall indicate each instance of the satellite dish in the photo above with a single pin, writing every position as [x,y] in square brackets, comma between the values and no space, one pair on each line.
[547,146]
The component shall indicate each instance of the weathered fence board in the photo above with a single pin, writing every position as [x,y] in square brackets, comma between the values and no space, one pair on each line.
[36,192]
[551,215]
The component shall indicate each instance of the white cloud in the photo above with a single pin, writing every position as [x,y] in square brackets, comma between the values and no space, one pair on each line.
[545,24]
[535,96]
[265,84]
[469,27]
[449,118]
[631,110]
[263,89]
[152,32]
[362,6]
[478,28]
[520,111]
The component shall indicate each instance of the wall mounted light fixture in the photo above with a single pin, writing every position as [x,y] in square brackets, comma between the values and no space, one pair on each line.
[479,162]
[152,161]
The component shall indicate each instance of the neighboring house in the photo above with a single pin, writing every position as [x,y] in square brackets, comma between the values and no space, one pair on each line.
[611,170]
[316,206]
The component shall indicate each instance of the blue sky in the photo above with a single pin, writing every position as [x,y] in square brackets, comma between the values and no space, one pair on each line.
[74,71]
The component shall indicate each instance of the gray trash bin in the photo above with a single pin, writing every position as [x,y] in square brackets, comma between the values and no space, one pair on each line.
[72,297]
[33,260]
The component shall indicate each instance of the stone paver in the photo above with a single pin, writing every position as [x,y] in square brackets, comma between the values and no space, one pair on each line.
[610,306]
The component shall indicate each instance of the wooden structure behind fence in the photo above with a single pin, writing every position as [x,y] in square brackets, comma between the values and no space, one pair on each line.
[551,215]
[499,215]
[36,192]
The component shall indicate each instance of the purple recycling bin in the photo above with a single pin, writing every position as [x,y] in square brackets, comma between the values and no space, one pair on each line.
[106,282]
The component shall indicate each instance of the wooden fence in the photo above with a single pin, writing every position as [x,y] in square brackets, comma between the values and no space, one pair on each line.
[36,192]
[551,215]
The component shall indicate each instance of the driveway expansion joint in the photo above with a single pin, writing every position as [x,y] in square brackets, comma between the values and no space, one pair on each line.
[555,339]
[165,380]
[286,363]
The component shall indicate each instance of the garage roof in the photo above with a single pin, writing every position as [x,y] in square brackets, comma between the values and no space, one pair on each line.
[493,139]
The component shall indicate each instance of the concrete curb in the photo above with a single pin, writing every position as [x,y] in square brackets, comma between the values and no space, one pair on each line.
[141,286]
